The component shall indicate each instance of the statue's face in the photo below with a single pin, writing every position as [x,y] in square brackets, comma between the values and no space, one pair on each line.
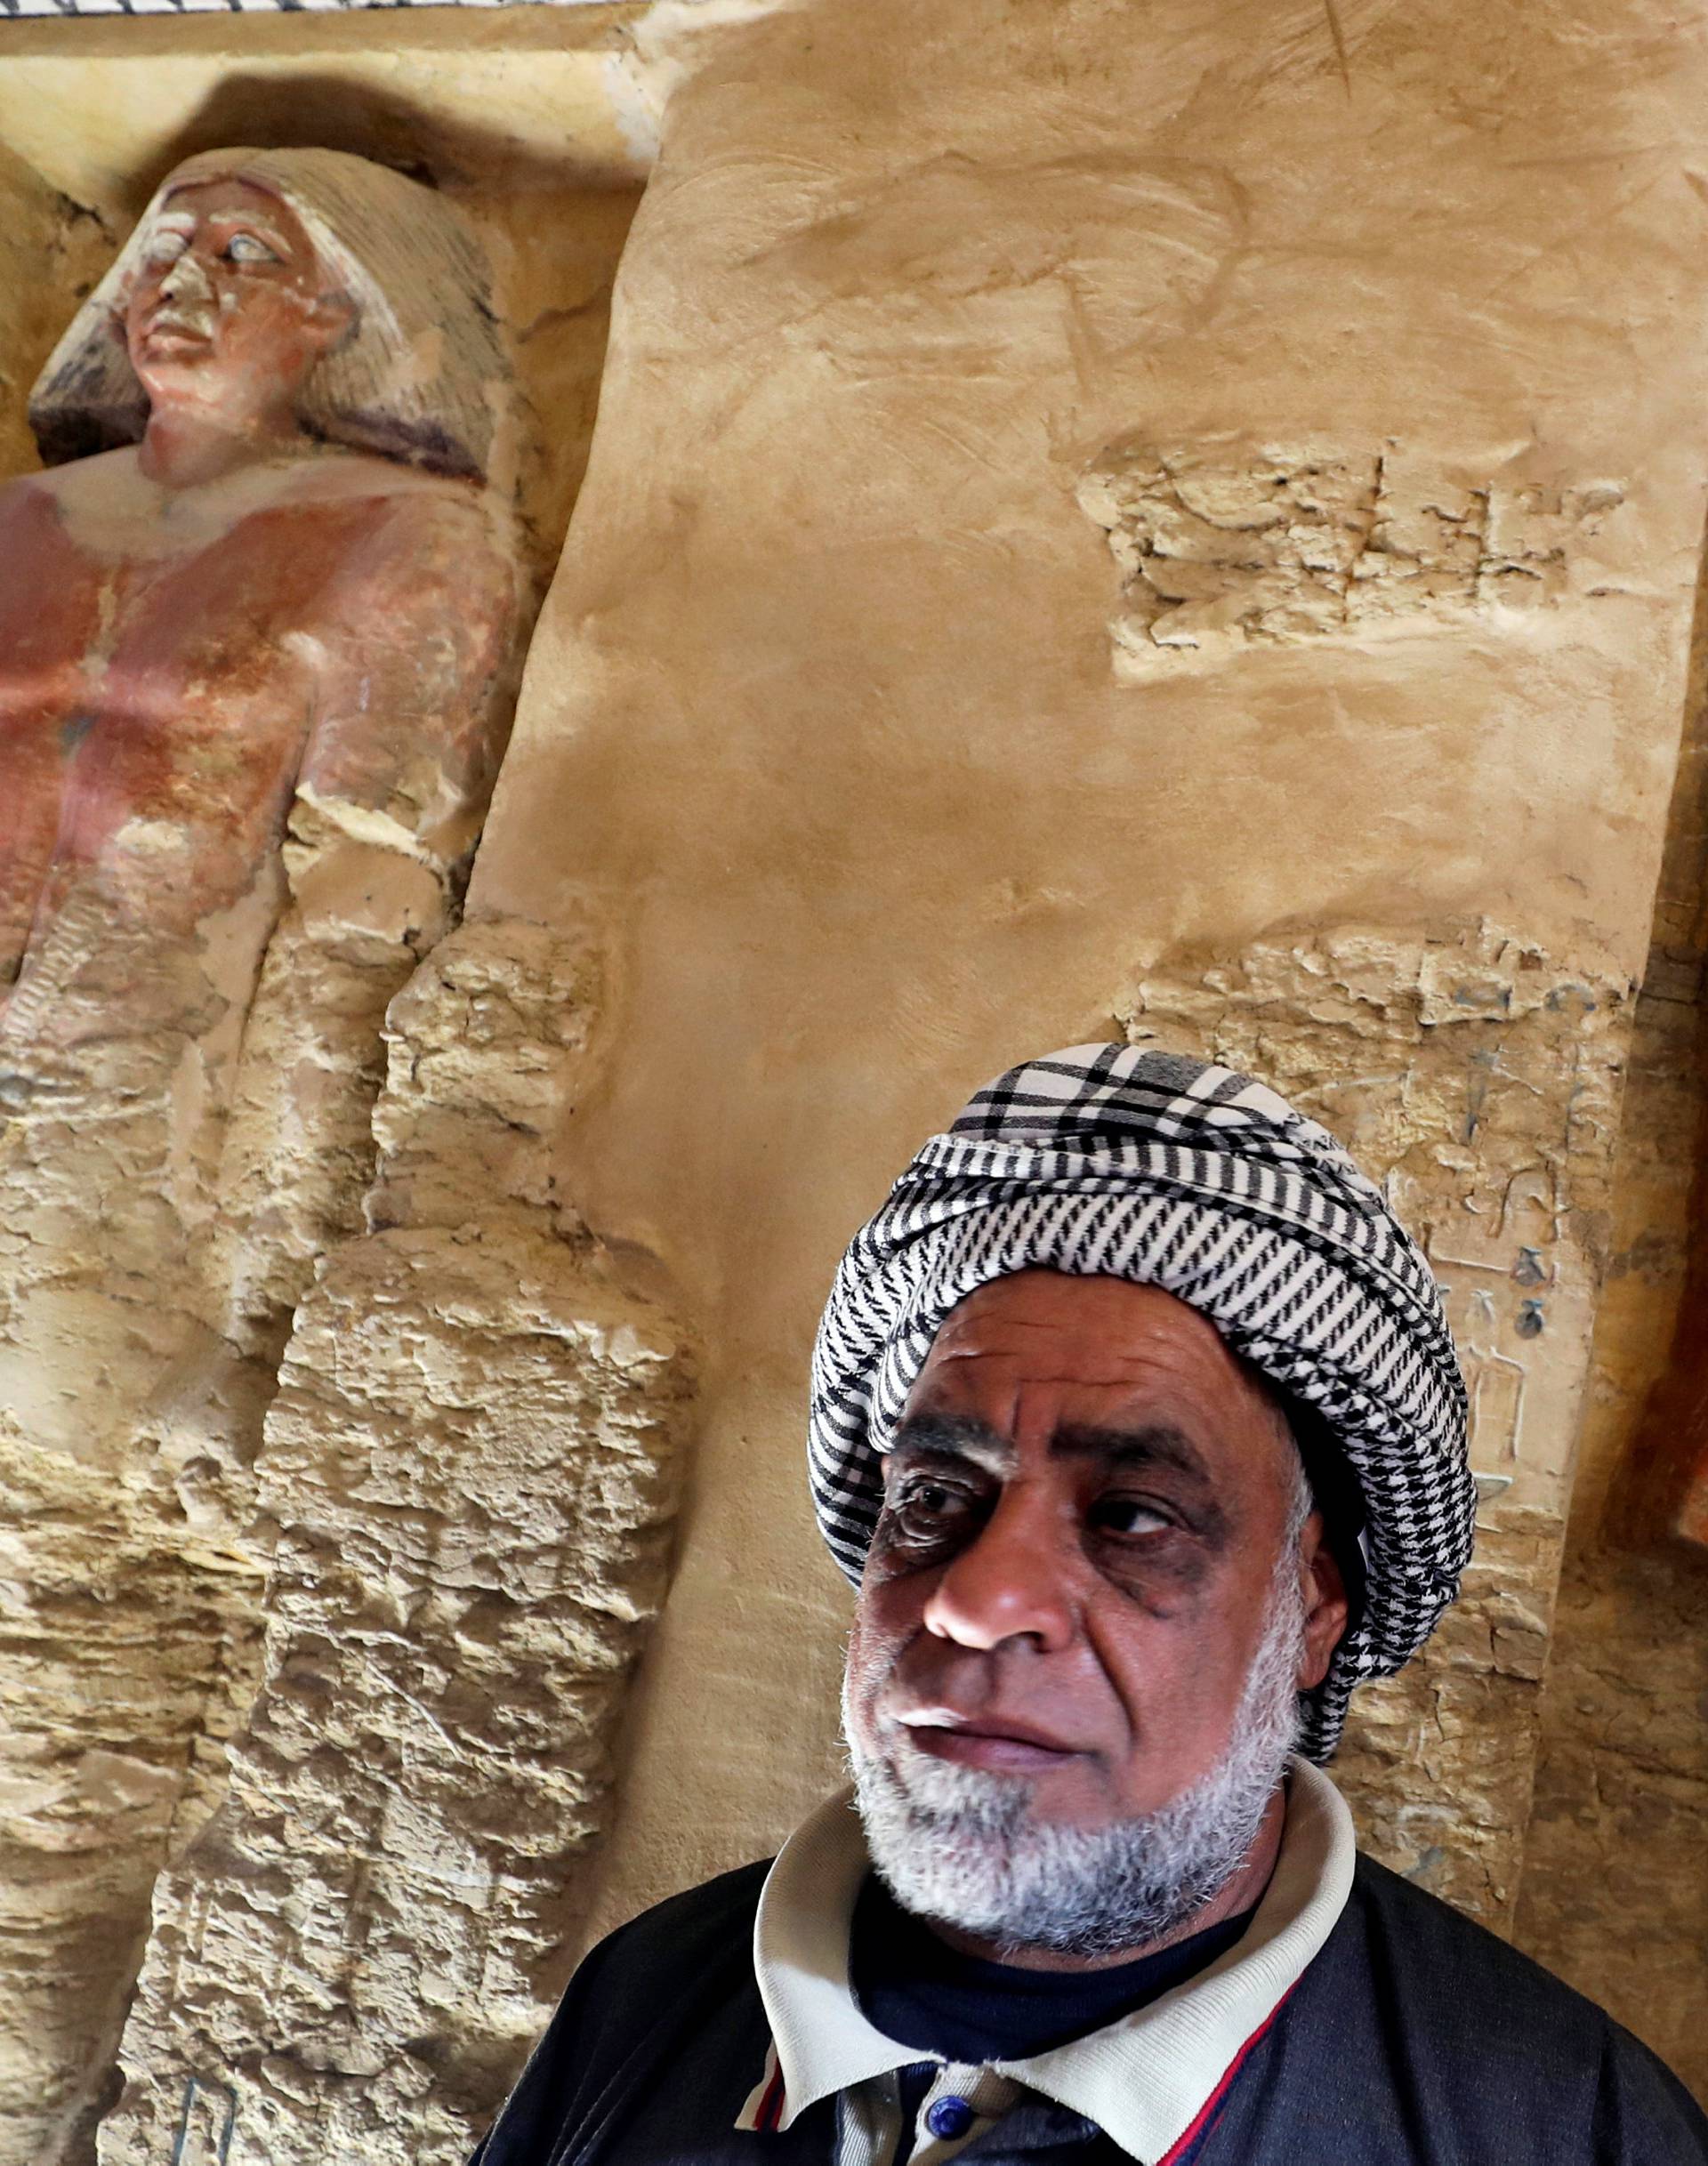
[230,308]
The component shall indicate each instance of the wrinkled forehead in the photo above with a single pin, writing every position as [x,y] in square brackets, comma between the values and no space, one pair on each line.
[1088,1326]
[1093,1353]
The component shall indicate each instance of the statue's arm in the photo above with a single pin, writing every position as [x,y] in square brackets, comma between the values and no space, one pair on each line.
[415,670]
[414,659]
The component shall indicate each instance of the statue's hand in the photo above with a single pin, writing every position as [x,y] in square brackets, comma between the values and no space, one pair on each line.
[346,887]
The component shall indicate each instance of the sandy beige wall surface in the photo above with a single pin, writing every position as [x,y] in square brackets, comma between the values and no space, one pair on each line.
[925,334]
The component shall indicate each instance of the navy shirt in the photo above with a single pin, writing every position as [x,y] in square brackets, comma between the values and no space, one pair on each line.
[1413,2038]
[921,1992]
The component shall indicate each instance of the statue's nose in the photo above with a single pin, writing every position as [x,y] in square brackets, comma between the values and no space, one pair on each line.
[186,280]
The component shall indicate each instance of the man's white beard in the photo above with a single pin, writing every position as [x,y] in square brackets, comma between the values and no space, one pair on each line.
[960,1844]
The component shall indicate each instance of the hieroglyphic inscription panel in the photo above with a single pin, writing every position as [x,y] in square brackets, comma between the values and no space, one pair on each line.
[1481,1084]
[1225,543]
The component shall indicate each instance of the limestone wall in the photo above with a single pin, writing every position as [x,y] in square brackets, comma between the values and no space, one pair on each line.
[1371,788]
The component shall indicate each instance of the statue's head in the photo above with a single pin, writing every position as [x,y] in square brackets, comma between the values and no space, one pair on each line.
[306,280]
[229,305]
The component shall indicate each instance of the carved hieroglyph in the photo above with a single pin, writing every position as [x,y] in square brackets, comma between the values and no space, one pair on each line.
[1225,543]
[1481,1084]
[258,625]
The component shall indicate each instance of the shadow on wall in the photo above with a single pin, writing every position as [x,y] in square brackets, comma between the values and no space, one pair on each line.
[1615,1894]
[51,252]
[1659,1503]
[444,150]
[1655,1500]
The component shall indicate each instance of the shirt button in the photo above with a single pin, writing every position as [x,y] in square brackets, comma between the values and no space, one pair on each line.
[948,2118]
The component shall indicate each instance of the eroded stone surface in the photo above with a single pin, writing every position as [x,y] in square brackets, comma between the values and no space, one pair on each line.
[1437,1763]
[1480,1085]
[123,1659]
[472,1465]
[1224,541]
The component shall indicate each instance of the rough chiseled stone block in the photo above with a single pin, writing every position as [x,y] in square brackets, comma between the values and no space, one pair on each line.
[1225,543]
[472,1465]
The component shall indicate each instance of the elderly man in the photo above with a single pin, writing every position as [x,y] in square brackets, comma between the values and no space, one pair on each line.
[1136,1418]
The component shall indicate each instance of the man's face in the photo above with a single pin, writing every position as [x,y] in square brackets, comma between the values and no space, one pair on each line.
[1087,1521]
[229,308]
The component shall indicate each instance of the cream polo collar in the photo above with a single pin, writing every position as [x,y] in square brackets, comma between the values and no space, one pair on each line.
[1146,2079]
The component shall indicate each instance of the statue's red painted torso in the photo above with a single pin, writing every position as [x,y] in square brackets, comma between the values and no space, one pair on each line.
[173,664]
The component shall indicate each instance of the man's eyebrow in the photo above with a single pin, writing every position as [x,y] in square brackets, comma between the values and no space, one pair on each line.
[953,1437]
[1153,1444]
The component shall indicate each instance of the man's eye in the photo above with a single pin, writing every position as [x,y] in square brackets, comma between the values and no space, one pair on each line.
[245,248]
[924,1507]
[1130,1516]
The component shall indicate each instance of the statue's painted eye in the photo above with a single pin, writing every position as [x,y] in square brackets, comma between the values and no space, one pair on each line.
[166,247]
[245,248]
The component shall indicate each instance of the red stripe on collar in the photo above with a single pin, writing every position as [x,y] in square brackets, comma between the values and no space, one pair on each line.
[762,2114]
[770,2107]
[1212,2105]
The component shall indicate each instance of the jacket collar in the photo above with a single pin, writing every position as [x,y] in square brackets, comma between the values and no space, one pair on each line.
[1149,2080]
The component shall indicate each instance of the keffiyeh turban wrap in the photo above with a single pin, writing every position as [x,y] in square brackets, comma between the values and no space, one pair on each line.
[1108,1160]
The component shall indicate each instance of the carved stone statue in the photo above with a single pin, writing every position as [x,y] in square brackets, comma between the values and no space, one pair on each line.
[256,565]
[259,622]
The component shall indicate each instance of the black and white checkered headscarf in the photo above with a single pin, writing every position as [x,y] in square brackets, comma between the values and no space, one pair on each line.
[1106,1160]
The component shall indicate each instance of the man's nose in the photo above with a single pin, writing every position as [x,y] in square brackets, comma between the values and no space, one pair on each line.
[1013,1581]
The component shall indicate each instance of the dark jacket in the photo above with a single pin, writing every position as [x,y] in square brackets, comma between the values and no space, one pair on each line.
[1415,2038]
